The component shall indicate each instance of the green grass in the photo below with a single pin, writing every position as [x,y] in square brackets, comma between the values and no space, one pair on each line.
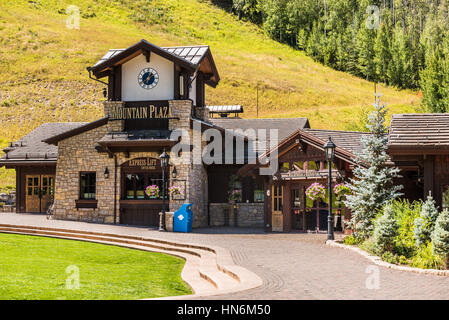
[43,75]
[36,268]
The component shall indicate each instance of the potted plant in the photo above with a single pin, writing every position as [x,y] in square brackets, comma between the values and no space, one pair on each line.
[175,190]
[316,191]
[153,191]
[340,190]
[235,196]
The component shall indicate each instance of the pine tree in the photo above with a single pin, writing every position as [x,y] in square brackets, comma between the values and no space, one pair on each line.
[382,57]
[425,223]
[385,230]
[440,237]
[435,82]
[372,186]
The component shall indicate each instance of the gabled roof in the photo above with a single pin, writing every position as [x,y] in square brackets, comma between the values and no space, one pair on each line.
[191,58]
[419,133]
[31,148]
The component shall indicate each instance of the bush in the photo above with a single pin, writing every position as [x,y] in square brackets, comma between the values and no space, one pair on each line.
[425,223]
[405,214]
[425,258]
[385,230]
[351,240]
[370,246]
[440,237]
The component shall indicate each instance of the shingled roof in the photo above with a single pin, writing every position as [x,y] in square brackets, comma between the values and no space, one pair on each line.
[350,141]
[32,148]
[421,132]
[286,126]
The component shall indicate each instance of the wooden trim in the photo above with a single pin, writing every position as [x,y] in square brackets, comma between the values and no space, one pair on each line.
[117,94]
[86,204]
[142,202]
[87,127]
[134,51]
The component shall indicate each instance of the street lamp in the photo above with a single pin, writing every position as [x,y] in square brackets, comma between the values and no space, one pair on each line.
[164,157]
[329,148]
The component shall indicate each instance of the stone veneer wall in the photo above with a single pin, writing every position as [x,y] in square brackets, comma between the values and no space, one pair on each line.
[244,215]
[77,154]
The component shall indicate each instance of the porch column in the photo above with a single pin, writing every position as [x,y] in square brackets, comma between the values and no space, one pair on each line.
[429,168]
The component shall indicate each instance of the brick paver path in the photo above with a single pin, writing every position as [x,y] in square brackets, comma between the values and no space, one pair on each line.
[293,266]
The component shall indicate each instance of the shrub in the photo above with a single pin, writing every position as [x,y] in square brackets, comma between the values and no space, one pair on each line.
[425,223]
[425,258]
[369,245]
[351,240]
[385,230]
[440,237]
[405,214]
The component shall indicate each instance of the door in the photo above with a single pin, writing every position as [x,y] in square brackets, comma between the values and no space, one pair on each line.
[39,190]
[277,216]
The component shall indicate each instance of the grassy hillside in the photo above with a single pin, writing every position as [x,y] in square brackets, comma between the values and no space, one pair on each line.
[43,75]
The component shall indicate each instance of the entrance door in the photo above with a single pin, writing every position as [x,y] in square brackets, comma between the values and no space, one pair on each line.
[277,216]
[39,190]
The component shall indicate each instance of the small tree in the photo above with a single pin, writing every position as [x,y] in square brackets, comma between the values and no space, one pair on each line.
[425,223]
[372,187]
[385,230]
[440,237]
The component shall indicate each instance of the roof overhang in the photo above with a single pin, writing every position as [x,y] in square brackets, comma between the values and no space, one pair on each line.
[13,163]
[418,149]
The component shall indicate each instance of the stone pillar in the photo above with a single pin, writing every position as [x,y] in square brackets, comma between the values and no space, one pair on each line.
[194,174]
[202,113]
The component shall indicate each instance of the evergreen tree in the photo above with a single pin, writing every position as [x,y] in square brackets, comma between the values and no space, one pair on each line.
[365,45]
[372,186]
[435,82]
[382,56]
[440,237]
[385,230]
[425,223]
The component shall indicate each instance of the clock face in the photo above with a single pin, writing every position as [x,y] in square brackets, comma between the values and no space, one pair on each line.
[148,78]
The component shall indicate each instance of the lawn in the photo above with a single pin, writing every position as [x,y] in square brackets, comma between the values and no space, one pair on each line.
[41,268]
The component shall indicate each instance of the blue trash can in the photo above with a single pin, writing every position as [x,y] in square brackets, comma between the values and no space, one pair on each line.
[183,218]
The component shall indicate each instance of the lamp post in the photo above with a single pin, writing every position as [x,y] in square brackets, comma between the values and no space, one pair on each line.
[329,148]
[164,157]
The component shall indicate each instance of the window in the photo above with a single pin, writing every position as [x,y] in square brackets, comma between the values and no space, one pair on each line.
[135,185]
[88,182]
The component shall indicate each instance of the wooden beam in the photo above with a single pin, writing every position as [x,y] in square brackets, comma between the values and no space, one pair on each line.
[429,168]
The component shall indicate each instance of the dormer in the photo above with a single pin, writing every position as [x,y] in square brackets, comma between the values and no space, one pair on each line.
[146,72]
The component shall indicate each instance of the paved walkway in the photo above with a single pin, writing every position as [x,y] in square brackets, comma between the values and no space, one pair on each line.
[293,266]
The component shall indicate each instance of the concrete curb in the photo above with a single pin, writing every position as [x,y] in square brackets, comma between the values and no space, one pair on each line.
[378,261]
[208,270]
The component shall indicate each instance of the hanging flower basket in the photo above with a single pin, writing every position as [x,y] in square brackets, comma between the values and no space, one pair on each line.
[175,190]
[236,195]
[341,190]
[152,191]
[316,191]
